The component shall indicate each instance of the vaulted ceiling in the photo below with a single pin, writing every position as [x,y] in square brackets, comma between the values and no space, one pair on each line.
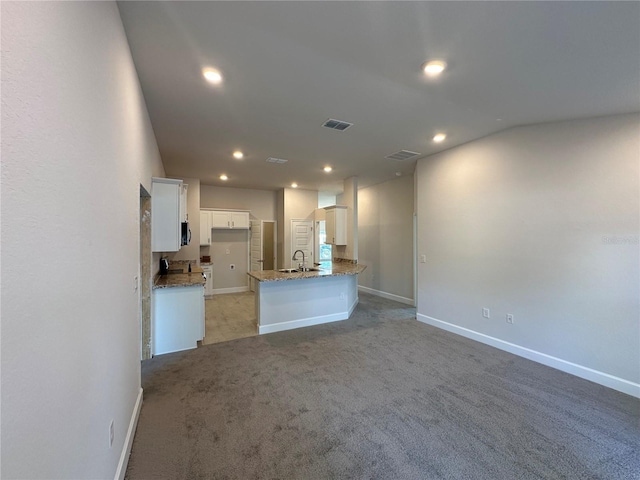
[287,67]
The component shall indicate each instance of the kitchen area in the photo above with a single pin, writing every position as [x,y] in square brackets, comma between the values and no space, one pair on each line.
[212,286]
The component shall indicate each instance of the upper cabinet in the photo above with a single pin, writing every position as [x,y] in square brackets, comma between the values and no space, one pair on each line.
[184,215]
[227,219]
[165,214]
[205,227]
[336,225]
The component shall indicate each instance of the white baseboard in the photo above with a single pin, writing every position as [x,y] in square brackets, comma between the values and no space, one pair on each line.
[303,322]
[218,291]
[388,296]
[620,384]
[128,441]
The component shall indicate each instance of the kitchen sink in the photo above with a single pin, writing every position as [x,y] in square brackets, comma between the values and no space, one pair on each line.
[298,270]
[176,270]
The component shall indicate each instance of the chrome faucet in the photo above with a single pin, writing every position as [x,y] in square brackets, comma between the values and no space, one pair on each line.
[294,258]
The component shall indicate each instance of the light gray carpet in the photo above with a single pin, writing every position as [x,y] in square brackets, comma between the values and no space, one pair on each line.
[376,396]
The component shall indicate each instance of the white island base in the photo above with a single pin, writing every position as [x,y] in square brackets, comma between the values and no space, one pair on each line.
[289,304]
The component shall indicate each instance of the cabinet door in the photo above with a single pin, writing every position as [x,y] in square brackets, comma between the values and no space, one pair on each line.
[341,226]
[239,219]
[165,215]
[208,287]
[205,228]
[184,215]
[336,225]
[220,220]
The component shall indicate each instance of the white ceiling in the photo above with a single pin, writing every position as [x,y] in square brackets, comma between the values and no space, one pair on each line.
[289,66]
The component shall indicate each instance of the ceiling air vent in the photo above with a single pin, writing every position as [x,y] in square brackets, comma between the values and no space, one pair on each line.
[276,160]
[403,155]
[337,124]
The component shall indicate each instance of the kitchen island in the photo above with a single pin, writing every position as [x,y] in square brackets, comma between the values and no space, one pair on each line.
[285,301]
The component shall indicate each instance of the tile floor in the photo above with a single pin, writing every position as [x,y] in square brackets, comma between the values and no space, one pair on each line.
[229,316]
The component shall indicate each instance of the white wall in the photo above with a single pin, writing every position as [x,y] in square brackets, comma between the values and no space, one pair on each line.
[385,238]
[76,145]
[542,222]
[236,243]
[261,203]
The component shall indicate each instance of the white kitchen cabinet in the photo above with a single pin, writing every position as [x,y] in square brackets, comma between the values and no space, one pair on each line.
[184,215]
[178,318]
[227,219]
[205,227]
[165,214]
[220,219]
[208,286]
[336,225]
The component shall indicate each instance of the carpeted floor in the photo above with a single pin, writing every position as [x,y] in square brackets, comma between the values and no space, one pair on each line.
[377,396]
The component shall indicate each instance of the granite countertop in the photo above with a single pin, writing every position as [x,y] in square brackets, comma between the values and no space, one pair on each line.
[327,269]
[184,279]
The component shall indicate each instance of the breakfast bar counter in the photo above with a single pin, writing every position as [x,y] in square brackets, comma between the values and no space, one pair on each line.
[288,300]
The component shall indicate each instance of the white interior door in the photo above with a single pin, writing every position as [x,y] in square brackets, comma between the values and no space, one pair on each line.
[255,249]
[302,239]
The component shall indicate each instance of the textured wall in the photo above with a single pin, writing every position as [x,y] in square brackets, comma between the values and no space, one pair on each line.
[261,203]
[541,222]
[385,237]
[76,145]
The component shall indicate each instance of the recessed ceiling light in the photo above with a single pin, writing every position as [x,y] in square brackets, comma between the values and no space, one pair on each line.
[212,75]
[224,177]
[434,68]
[327,169]
[439,137]
[398,174]
[294,185]
[238,154]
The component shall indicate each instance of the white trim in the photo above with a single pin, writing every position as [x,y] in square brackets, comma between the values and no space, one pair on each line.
[128,441]
[307,322]
[389,296]
[303,322]
[218,291]
[620,384]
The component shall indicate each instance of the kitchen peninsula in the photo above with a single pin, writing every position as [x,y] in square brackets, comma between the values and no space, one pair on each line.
[288,300]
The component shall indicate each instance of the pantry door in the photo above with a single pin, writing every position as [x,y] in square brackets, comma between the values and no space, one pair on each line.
[302,239]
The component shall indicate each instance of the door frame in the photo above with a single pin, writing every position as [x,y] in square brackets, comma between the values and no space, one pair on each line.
[275,241]
[313,240]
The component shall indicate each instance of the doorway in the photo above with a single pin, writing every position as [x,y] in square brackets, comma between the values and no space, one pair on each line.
[263,246]
[302,239]
[144,274]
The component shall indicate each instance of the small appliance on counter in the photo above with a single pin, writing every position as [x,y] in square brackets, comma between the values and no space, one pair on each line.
[164,266]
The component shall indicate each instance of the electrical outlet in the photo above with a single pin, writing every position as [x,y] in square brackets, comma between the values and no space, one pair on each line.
[486,313]
[232,267]
[509,318]
[111,434]
[423,259]
[135,283]
[227,251]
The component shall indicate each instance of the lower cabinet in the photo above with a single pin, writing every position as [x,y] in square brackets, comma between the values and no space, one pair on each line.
[178,318]
[208,287]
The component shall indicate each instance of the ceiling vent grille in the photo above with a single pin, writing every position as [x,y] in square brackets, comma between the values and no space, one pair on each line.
[403,155]
[334,124]
[276,160]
